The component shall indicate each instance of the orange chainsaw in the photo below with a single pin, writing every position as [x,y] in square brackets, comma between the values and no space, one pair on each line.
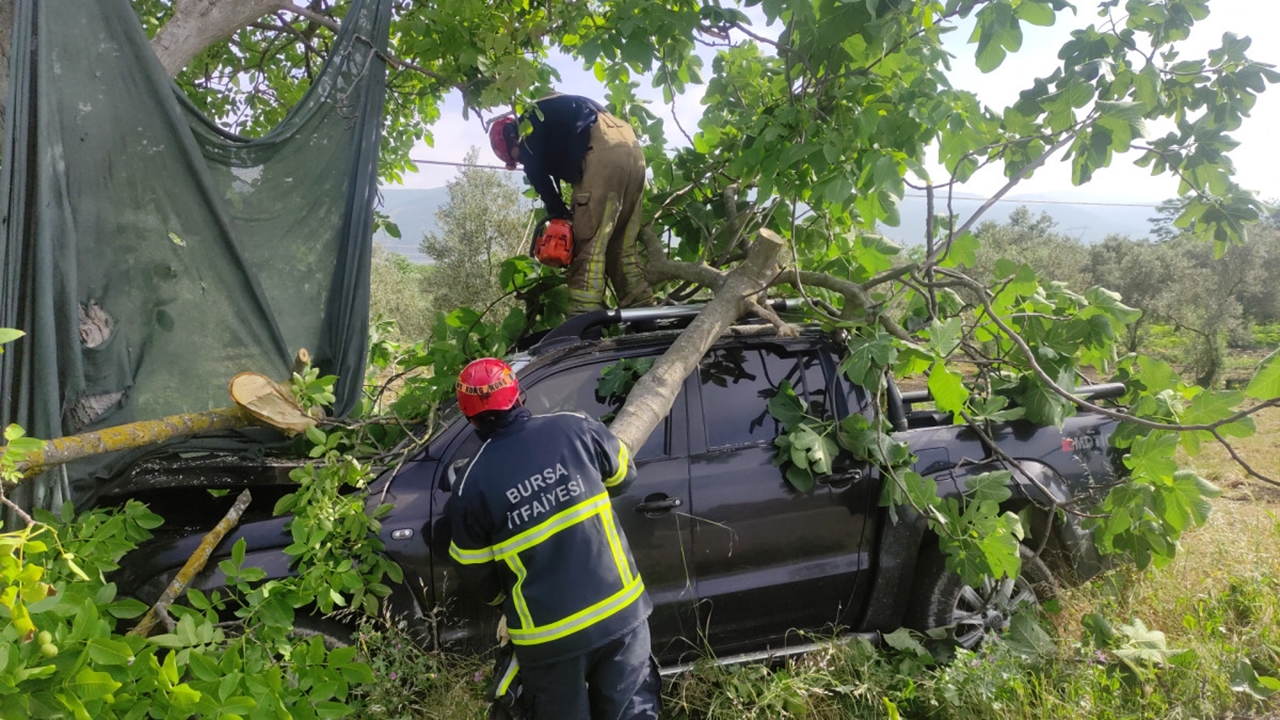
[553,242]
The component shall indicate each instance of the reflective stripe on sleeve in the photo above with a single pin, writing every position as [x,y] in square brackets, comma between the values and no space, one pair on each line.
[470,557]
[517,591]
[580,620]
[624,458]
[615,545]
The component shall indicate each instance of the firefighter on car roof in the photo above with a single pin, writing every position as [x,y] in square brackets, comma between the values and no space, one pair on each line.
[534,533]
[576,140]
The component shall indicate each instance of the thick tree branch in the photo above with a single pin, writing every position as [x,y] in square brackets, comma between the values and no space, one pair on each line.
[784,328]
[659,268]
[160,611]
[197,24]
[654,393]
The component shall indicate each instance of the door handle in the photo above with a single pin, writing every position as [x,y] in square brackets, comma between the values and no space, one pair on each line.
[848,476]
[658,503]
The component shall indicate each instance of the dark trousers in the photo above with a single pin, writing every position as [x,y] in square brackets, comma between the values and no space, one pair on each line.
[617,681]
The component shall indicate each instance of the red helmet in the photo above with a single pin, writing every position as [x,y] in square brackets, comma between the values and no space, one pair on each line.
[501,135]
[487,384]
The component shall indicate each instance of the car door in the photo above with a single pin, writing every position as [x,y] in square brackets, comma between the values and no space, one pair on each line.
[767,558]
[650,511]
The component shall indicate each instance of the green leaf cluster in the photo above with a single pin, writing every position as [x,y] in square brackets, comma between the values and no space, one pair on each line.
[62,654]
[616,381]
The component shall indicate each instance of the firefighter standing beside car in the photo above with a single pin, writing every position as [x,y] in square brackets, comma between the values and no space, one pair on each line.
[534,533]
[574,139]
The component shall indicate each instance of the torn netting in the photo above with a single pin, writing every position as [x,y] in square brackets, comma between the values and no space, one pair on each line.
[150,256]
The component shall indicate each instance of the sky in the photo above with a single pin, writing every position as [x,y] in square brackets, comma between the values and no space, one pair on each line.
[1256,159]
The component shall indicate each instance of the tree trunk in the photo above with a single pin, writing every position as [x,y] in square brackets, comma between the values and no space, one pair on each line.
[654,393]
[194,26]
[197,24]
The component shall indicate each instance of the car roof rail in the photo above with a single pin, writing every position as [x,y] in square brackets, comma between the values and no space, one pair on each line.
[575,328]
[1100,391]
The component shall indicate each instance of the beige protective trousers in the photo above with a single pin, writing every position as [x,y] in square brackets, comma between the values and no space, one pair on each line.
[606,220]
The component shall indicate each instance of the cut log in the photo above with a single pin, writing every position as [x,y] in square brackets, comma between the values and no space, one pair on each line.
[258,398]
[269,402]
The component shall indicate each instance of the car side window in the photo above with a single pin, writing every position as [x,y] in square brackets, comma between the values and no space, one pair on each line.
[737,384]
[574,390]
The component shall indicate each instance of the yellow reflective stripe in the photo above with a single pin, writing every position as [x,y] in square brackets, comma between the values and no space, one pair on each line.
[615,545]
[498,600]
[504,685]
[550,526]
[533,535]
[517,596]
[580,620]
[470,557]
[624,457]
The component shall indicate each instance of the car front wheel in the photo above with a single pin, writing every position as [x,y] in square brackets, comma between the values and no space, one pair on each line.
[971,613]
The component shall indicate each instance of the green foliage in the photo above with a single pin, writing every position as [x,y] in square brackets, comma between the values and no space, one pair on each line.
[396,292]
[62,655]
[8,335]
[410,682]
[17,447]
[310,390]
[1136,646]
[484,222]
[616,381]
[806,445]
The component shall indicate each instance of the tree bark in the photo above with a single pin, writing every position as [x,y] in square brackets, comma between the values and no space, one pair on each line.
[197,24]
[194,26]
[654,393]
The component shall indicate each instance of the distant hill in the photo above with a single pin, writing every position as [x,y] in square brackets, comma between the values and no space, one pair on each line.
[415,212]
[1086,223]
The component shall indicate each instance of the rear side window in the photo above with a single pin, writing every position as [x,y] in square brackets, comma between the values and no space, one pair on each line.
[574,390]
[737,384]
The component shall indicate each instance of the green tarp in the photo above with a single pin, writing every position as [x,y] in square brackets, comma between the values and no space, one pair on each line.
[150,256]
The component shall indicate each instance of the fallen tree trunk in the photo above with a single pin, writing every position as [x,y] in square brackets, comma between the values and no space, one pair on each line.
[653,394]
[59,451]
[259,400]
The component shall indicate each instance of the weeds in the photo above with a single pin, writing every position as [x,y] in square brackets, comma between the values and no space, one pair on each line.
[412,683]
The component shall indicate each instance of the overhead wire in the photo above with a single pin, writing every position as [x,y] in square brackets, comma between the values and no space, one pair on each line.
[1019,201]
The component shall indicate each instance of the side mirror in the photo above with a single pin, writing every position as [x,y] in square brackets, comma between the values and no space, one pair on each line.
[451,476]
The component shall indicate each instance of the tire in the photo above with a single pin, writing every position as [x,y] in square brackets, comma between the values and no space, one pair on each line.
[332,632]
[970,614]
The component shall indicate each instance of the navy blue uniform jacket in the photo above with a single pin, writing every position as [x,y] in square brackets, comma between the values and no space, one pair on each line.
[534,530]
[554,149]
